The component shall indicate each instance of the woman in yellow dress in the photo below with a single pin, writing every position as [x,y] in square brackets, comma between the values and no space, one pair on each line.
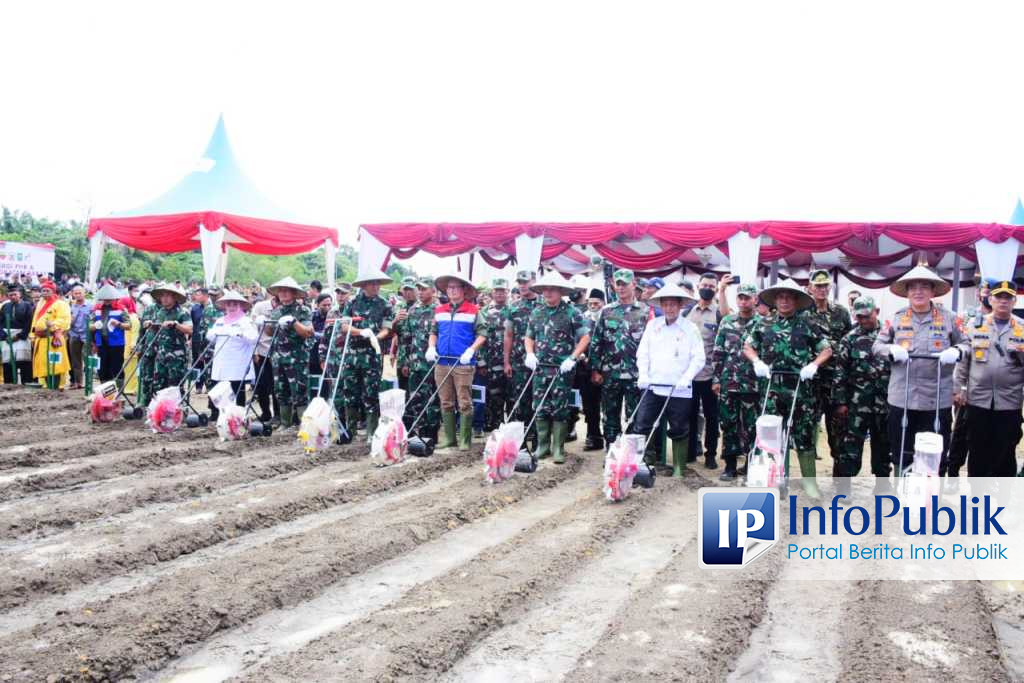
[50,324]
[131,336]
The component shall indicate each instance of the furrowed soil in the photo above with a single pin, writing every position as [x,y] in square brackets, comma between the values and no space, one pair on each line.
[127,555]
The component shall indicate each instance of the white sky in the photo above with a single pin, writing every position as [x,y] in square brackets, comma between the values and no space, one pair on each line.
[364,112]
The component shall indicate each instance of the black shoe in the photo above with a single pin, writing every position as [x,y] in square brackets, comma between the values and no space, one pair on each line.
[711,463]
[692,457]
[727,475]
[593,443]
[571,436]
[882,486]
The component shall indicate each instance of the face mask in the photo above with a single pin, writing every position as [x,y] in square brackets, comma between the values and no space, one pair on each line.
[706,293]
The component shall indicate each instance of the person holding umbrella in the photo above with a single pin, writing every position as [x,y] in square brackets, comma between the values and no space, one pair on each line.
[556,337]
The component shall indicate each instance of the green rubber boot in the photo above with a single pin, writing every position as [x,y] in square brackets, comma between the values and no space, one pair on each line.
[351,421]
[465,431]
[543,438]
[286,417]
[680,453]
[808,474]
[371,425]
[447,431]
[559,430]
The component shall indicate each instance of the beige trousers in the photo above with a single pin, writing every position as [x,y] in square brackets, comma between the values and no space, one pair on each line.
[459,386]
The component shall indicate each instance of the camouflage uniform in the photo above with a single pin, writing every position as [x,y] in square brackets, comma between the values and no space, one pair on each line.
[492,354]
[419,325]
[555,331]
[613,345]
[145,363]
[168,356]
[835,323]
[788,344]
[517,320]
[363,367]
[199,343]
[290,356]
[861,382]
[739,391]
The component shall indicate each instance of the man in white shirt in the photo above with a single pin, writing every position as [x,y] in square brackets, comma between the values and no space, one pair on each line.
[670,355]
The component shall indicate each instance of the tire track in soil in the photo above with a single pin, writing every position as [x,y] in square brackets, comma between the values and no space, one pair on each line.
[920,630]
[56,405]
[109,640]
[89,443]
[64,562]
[47,513]
[411,631]
[44,608]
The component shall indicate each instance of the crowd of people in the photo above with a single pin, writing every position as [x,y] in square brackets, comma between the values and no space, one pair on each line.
[639,356]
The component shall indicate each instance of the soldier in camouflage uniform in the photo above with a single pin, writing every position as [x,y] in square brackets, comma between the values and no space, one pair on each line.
[201,323]
[145,362]
[493,354]
[860,390]
[290,354]
[835,322]
[556,336]
[790,342]
[401,336]
[363,364]
[590,393]
[613,344]
[516,321]
[734,382]
[412,361]
[167,358]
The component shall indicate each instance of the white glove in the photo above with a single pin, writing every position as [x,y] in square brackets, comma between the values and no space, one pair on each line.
[950,356]
[567,365]
[899,354]
[530,362]
[761,369]
[366,333]
[466,357]
[286,321]
[98,325]
[261,321]
[431,354]
[808,371]
[643,383]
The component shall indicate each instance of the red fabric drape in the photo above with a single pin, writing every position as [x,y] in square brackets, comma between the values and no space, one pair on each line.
[179,232]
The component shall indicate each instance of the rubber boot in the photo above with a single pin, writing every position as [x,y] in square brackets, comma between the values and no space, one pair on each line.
[808,474]
[371,425]
[466,431]
[543,438]
[680,453]
[298,413]
[351,420]
[559,431]
[447,431]
[729,473]
[286,416]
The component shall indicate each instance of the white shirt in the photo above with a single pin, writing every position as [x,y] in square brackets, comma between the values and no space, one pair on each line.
[233,348]
[668,353]
[263,309]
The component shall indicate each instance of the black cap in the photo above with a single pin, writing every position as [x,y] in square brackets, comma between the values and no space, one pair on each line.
[596,294]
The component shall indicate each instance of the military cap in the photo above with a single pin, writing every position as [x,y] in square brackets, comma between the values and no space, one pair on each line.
[747,289]
[623,275]
[864,305]
[408,283]
[820,277]
[526,276]
[1004,287]
[499,283]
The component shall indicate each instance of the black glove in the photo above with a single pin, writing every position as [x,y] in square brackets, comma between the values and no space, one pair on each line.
[3,335]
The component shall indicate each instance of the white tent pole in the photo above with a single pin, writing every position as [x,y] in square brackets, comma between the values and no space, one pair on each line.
[96,244]
[330,261]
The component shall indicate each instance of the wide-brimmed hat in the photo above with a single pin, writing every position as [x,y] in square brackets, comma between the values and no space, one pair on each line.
[371,276]
[231,295]
[672,291]
[287,283]
[803,299]
[108,292]
[919,274]
[442,283]
[171,288]
[552,279]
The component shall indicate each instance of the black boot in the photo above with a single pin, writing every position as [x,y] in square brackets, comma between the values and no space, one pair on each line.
[710,462]
[593,443]
[729,473]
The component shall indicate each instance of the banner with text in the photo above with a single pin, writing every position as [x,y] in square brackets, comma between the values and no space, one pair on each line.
[25,258]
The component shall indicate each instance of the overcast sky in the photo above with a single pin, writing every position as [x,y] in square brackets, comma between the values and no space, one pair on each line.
[474,111]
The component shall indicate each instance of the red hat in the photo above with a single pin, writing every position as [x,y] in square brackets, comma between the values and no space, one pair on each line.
[48,284]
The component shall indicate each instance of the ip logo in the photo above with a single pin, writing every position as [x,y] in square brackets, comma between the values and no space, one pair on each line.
[735,526]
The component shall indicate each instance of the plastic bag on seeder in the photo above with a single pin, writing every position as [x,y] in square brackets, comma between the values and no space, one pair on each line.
[103,407]
[502,450]
[164,413]
[390,442]
[621,465]
[232,423]
[317,429]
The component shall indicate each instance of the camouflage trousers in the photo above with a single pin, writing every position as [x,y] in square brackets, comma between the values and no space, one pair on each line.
[361,380]
[167,370]
[415,402]
[497,395]
[145,375]
[805,416]
[519,383]
[291,376]
[557,406]
[860,423]
[737,416]
[833,425]
[614,394]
